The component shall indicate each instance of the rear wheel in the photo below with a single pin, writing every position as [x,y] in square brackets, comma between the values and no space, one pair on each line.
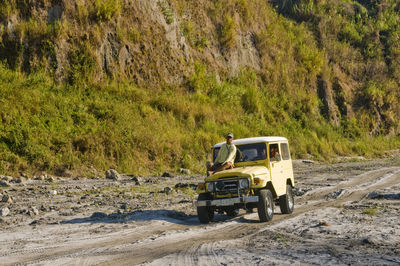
[286,202]
[265,205]
[205,213]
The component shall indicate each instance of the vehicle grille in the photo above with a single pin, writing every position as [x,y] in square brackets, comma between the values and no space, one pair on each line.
[226,185]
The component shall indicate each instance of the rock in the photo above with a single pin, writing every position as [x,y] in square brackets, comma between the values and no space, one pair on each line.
[301,191]
[370,240]
[24,175]
[4,184]
[308,161]
[53,192]
[167,190]
[334,194]
[113,174]
[41,177]
[20,180]
[184,171]
[33,211]
[167,174]
[50,179]
[7,199]
[137,180]
[4,211]
[181,185]
[7,178]
[323,223]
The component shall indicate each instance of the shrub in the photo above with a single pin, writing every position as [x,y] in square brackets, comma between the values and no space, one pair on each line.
[82,64]
[107,9]
[194,35]
[228,34]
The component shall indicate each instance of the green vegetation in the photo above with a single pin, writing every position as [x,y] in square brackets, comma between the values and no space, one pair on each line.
[166,11]
[371,211]
[107,9]
[328,80]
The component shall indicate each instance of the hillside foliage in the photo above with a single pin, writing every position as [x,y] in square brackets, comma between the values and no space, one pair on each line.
[145,86]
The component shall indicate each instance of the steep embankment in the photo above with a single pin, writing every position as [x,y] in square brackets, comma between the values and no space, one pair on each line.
[147,85]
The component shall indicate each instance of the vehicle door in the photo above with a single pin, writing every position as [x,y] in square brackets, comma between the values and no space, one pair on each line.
[287,165]
[277,166]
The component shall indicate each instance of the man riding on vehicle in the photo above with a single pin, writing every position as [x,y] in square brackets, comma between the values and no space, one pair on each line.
[225,157]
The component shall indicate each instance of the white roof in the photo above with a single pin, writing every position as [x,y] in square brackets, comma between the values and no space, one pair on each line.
[252,140]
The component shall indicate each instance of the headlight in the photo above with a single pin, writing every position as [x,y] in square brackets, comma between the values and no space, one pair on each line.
[244,183]
[210,187]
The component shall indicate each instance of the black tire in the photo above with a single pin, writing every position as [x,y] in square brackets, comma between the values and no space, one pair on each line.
[286,202]
[265,205]
[205,213]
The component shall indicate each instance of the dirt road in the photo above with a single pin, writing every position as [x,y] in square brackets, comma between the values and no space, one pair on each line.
[345,213]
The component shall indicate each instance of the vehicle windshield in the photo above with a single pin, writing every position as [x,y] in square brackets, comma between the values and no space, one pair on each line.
[250,152]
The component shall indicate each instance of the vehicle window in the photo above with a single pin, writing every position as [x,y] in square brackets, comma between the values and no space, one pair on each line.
[285,151]
[274,154]
[253,152]
[250,152]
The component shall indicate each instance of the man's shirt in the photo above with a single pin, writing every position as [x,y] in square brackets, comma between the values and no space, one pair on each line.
[227,153]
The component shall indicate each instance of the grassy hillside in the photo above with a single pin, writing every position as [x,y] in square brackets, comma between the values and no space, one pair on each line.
[146,86]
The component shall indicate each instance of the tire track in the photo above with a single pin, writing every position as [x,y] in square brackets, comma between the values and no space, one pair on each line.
[189,243]
[358,187]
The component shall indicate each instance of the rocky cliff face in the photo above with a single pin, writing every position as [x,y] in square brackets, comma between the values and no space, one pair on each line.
[155,43]
[142,40]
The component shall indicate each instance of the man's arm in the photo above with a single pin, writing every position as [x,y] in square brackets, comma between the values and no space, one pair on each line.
[219,155]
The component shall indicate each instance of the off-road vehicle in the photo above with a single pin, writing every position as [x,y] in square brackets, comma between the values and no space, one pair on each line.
[262,176]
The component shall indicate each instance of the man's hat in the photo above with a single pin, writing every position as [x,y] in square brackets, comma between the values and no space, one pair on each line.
[230,135]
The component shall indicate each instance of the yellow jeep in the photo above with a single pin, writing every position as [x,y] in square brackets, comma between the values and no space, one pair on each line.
[263,174]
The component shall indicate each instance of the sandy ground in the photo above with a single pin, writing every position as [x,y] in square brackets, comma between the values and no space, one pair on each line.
[345,213]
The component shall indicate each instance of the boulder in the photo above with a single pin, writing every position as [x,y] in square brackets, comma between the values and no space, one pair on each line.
[184,171]
[167,190]
[33,211]
[167,174]
[20,180]
[7,199]
[4,211]
[4,184]
[137,180]
[6,178]
[40,177]
[113,174]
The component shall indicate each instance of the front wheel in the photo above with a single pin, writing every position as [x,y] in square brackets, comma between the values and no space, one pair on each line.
[286,202]
[265,205]
[205,213]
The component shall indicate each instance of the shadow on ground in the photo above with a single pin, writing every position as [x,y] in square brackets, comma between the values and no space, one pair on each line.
[137,216]
[170,216]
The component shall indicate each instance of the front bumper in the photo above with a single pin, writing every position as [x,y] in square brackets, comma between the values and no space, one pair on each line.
[227,202]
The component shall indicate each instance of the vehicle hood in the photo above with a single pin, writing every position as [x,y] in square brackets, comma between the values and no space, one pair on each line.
[248,171]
